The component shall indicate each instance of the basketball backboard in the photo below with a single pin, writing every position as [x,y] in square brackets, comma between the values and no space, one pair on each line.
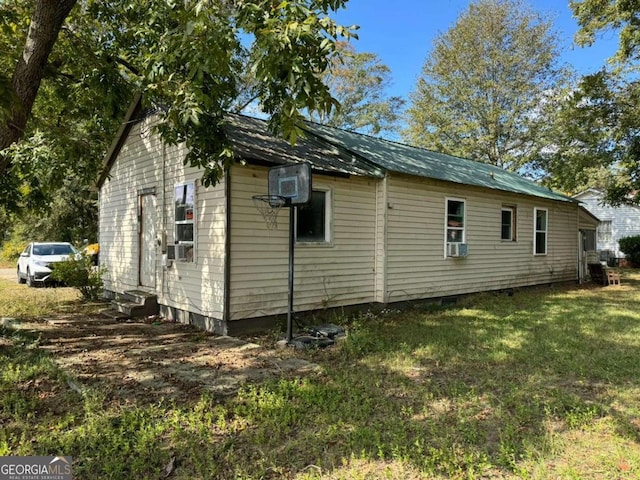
[293,182]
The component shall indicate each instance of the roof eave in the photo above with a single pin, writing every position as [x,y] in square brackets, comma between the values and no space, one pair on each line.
[111,155]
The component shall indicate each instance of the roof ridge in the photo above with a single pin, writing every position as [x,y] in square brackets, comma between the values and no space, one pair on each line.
[417,147]
[394,142]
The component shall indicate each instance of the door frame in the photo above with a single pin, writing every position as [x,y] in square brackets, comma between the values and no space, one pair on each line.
[151,191]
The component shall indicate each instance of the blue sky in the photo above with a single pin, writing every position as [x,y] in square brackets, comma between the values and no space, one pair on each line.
[401,33]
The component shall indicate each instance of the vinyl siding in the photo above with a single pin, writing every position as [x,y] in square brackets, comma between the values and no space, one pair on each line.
[381,241]
[625,220]
[341,272]
[196,286]
[192,286]
[135,169]
[386,245]
[417,268]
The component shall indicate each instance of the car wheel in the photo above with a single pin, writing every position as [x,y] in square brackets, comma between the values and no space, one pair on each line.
[20,279]
[30,282]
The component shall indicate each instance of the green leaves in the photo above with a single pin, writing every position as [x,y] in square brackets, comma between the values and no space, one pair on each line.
[359,81]
[196,73]
[593,138]
[595,127]
[596,16]
[482,85]
[190,60]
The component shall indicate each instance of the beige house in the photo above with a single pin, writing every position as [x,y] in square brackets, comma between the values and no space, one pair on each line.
[387,223]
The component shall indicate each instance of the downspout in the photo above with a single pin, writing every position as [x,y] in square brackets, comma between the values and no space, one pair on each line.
[227,251]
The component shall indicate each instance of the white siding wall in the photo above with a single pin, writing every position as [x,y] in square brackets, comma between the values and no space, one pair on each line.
[133,171]
[196,286]
[416,267]
[341,273]
[192,286]
[625,220]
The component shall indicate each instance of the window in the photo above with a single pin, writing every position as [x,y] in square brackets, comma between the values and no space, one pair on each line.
[454,228]
[604,232]
[508,225]
[312,219]
[540,231]
[455,221]
[589,240]
[184,199]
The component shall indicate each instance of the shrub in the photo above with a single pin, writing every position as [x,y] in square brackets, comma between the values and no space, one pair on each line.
[11,249]
[79,273]
[630,246]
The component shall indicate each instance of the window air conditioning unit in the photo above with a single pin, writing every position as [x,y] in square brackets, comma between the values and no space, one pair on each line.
[177,252]
[457,250]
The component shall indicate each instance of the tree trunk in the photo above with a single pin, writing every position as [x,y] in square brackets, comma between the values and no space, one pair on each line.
[46,22]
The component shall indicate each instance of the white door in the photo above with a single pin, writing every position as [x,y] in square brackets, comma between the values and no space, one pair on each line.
[147,239]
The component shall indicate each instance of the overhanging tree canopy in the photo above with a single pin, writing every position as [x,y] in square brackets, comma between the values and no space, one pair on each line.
[73,65]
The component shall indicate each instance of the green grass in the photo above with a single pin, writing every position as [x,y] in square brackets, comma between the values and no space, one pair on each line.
[21,301]
[539,385]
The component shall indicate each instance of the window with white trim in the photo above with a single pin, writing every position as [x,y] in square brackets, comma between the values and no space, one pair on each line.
[455,221]
[604,232]
[313,219]
[541,226]
[185,216]
[508,224]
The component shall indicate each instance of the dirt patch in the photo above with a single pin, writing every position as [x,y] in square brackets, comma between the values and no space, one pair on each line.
[8,274]
[154,360]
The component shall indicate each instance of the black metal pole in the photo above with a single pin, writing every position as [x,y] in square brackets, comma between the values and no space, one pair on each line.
[291,247]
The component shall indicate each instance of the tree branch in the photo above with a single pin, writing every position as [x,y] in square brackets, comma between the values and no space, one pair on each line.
[46,22]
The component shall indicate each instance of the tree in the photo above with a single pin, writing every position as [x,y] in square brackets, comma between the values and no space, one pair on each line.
[73,64]
[359,82]
[592,137]
[46,21]
[596,16]
[483,83]
[610,98]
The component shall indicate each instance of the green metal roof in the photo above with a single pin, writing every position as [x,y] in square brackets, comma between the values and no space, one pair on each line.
[339,151]
[252,141]
[400,158]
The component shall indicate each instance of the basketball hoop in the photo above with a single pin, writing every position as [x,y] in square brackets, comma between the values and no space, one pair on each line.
[269,206]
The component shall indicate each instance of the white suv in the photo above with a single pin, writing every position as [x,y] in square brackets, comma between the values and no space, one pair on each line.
[35,261]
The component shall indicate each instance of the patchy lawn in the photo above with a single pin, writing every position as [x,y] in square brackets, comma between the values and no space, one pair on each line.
[542,384]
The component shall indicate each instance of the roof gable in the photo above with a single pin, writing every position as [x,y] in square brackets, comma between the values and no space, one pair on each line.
[121,136]
[589,193]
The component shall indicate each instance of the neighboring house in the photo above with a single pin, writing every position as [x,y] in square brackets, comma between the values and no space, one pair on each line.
[385,223]
[615,222]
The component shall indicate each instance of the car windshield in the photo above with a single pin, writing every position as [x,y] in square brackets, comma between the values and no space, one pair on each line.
[53,249]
